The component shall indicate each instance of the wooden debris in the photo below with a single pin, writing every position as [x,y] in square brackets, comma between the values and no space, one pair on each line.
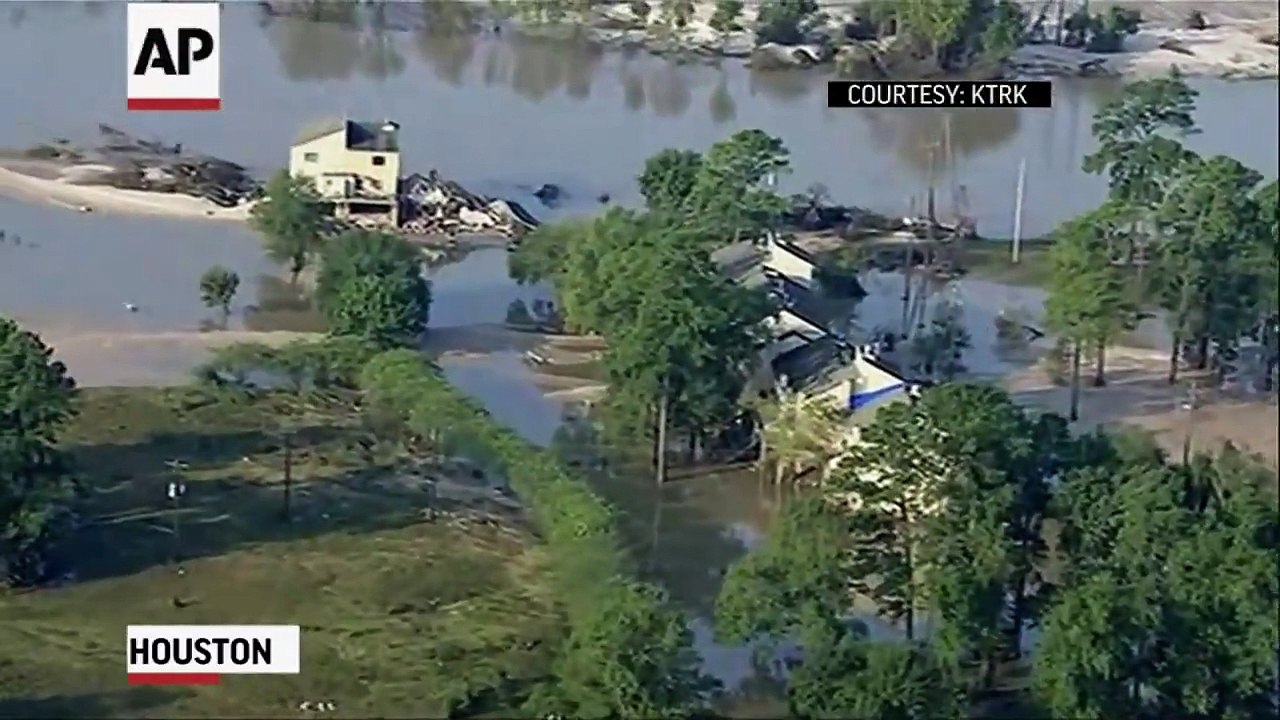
[434,206]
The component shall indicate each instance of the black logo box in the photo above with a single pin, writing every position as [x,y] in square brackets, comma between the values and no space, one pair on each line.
[941,93]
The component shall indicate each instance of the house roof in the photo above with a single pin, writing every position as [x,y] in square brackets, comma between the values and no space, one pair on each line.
[800,300]
[359,135]
[318,129]
[813,363]
[740,260]
[796,250]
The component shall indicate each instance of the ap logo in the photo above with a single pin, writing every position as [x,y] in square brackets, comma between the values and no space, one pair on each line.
[174,56]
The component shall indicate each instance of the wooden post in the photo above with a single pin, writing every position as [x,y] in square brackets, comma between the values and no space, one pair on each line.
[1017,210]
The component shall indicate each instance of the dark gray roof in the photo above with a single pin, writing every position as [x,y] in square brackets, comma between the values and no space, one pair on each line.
[812,363]
[359,135]
[739,260]
[801,300]
[377,137]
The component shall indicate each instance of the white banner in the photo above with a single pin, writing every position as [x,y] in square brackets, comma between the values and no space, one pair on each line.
[215,649]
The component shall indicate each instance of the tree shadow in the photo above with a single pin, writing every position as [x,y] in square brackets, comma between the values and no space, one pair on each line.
[132,702]
[234,495]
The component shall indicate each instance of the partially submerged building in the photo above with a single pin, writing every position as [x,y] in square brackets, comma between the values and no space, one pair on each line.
[810,352]
[355,167]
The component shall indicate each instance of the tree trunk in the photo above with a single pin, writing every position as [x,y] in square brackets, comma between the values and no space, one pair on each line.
[1019,611]
[1074,412]
[660,460]
[909,552]
[1099,368]
[1173,359]
[286,510]
[1202,352]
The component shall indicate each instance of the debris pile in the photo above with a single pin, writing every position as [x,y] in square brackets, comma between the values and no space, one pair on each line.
[124,161]
[434,206]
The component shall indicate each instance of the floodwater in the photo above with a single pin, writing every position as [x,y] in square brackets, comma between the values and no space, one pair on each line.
[503,115]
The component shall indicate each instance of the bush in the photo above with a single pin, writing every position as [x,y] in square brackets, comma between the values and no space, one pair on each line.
[725,17]
[784,21]
[585,551]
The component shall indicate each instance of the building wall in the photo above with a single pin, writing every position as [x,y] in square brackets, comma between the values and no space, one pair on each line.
[788,263]
[787,321]
[329,156]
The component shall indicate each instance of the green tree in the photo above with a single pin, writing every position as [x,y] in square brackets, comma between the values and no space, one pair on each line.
[628,658]
[846,678]
[1133,131]
[37,397]
[1209,286]
[358,253]
[668,178]
[540,255]
[799,434]
[732,196]
[794,584]
[371,286]
[1267,248]
[1089,302]
[218,287]
[682,335]
[938,24]
[725,17]
[784,21]
[291,218]
[1169,592]
[386,311]
[935,484]
[794,588]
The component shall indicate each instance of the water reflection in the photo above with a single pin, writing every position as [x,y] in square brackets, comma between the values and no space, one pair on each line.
[920,138]
[336,40]
[281,306]
[723,108]
[447,42]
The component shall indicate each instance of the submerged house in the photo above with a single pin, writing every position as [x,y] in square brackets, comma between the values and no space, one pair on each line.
[810,352]
[355,167]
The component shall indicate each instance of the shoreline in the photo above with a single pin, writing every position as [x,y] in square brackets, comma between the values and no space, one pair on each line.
[1237,43]
[30,187]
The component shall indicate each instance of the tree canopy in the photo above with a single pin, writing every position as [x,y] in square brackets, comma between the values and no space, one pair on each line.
[37,397]
[371,286]
[291,218]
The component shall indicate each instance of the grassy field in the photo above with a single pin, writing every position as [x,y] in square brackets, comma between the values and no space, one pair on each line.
[991,260]
[402,614]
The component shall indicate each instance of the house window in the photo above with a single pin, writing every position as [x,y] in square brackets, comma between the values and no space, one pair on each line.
[379,160]
[311,157]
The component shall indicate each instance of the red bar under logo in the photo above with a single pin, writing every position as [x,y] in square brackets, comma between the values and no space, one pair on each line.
[175,103]
[174,679]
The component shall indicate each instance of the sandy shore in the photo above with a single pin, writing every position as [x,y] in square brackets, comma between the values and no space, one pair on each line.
[27,182]
[136,359]
[1230,47]
[1138,395]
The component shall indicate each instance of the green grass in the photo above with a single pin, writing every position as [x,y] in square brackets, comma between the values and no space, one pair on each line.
[991,260]
[401,616]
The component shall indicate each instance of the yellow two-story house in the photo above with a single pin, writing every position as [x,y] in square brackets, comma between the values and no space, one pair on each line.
[355,167]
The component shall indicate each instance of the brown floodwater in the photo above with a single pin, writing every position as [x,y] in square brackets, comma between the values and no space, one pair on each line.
[503,115]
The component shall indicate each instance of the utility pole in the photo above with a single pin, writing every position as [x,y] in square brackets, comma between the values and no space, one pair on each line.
[1017,210]
[174,491]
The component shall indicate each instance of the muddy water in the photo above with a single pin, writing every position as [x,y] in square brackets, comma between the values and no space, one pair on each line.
[504,115]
